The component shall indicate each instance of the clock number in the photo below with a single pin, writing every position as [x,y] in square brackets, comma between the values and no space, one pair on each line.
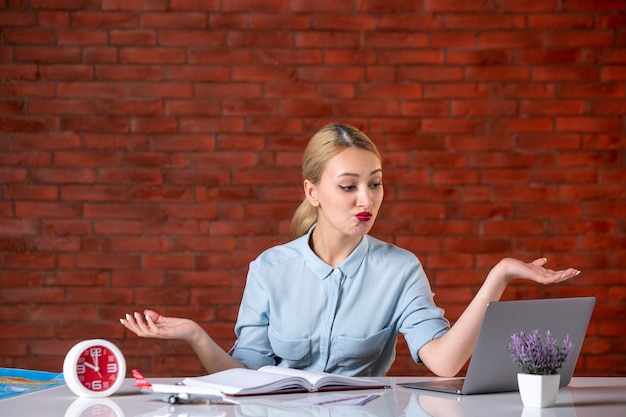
[96,385]
[80,368]
[96,410]
[111,368]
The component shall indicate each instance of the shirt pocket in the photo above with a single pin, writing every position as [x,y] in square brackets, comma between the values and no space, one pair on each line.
[356,353]
[294,353]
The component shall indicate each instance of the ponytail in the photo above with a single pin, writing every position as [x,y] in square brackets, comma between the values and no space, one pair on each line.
[303,219]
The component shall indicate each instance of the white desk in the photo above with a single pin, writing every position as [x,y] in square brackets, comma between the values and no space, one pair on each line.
[584,397]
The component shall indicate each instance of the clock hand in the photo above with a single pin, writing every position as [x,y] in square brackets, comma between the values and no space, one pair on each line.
[95,368]
[94,356]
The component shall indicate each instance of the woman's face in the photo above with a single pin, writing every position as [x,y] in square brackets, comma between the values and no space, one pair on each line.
[349,193]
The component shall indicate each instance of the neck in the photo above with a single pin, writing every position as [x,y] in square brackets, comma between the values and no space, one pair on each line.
[332,248]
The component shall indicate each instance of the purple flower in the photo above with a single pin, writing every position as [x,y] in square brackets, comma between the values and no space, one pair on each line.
[536,356]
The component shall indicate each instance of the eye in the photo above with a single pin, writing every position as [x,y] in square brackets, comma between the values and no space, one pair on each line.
[376,185]
[347,187]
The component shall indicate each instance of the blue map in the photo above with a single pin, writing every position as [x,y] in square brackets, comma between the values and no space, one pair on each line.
[15,381]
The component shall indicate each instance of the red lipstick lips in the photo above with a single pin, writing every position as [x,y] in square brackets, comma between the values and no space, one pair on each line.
[363,216]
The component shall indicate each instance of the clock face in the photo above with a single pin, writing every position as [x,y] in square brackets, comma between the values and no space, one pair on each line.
[97,368]
[94,368]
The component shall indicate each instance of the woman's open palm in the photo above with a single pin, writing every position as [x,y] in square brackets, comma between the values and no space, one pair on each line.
[153,324]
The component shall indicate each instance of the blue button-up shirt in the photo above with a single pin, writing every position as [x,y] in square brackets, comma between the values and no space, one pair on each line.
[299,312]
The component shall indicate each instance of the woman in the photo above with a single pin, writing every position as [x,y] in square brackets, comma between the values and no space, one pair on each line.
[335,298]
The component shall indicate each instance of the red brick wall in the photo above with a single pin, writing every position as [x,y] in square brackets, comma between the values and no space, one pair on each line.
[149,150]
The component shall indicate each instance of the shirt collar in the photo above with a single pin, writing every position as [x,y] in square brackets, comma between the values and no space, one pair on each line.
[321,269]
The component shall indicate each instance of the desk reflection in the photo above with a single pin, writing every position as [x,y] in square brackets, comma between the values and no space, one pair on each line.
[94,407]
[586,397]
[432,404]
[383,406]
[256,406]
[197,409]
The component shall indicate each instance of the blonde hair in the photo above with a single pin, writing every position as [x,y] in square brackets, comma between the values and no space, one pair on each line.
[326,143]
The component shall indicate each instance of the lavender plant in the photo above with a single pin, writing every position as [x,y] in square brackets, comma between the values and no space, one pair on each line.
[536,356]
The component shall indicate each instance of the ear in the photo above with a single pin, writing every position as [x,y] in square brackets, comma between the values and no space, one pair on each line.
[310,192]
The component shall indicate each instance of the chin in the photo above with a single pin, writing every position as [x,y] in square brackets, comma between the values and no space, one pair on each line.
[361,229]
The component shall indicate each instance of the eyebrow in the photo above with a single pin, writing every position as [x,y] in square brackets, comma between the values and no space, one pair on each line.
[350,174]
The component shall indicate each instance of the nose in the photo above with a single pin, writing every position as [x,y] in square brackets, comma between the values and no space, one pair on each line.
[365,199]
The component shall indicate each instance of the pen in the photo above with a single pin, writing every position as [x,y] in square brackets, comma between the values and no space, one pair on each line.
[339,400]
[369,398]
[364,399]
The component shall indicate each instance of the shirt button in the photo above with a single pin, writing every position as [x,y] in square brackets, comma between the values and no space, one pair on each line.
[336,272]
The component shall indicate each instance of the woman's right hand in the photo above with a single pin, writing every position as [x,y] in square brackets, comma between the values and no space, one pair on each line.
[153,324]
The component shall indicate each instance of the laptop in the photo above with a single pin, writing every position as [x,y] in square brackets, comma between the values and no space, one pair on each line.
[491,369]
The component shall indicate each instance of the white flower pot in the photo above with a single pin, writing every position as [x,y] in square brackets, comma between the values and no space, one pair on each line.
[538,390]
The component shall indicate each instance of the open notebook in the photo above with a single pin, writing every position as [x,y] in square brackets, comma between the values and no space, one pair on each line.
[276,380]
[491,368]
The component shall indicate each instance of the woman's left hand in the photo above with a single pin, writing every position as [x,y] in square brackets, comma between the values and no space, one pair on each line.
[534,271]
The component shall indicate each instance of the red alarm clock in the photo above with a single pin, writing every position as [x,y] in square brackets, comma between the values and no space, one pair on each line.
[94,368]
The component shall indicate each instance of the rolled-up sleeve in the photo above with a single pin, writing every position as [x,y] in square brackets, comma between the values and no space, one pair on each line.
[421,320]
